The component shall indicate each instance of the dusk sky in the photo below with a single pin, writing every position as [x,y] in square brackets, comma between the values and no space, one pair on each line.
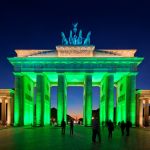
[34,24]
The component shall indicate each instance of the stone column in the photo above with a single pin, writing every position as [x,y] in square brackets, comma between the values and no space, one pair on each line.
[87,110]
[141,113]
[39,95]
[126,99]
[18,100]
[61,99]
[122,94]
[3,111]
[131,98]
[42,101]
[146,113]
[107,98]
[24,100]
[121,100]
[139,110]
[8,111]
[28,100]
[110,97]
[47,101]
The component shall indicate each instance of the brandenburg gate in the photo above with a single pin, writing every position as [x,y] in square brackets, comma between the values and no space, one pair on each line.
[74,63]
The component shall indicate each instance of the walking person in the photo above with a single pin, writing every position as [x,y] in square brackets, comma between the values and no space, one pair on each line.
[63,127]
[110,129]
[95,130]
[71,127]
[122,126]
[128,125]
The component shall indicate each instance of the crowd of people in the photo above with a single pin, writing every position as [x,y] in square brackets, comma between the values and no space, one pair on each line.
[110,125]
[96,132]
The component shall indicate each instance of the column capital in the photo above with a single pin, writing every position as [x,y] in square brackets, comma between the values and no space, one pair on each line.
[2,98]
[88,73]
[106,74]
[18,73]
[61,73]
[39,73]
[132,74]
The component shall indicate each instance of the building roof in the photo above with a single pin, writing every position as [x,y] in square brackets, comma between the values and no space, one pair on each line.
[75,51]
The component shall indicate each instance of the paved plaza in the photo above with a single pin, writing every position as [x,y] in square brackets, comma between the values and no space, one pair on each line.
[48,138]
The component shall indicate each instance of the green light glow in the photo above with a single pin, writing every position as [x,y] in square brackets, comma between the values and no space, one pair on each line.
[68,59]
[110,96]
[46,90]
[87,112]
[107,98]
[39,100]
[121,99]
[24,103]
[42,101]
[126,100]
[28,101]
[18,99]
[79,64]
[132,98]
[62,100]
[73,71]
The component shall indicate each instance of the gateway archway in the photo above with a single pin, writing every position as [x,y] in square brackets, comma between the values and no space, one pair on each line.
[75,62]
[43,70]
[75,103]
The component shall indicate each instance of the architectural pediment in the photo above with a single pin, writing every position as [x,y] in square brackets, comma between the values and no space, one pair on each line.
[76,51]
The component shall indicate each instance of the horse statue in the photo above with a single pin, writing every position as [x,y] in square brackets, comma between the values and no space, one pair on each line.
[79,40]
[64,39]
[70,38]
[75,39]
[75,25]
[87,39]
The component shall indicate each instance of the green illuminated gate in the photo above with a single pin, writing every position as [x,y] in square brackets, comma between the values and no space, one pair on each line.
[41,69]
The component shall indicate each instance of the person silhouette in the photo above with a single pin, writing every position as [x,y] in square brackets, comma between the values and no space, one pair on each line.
[122,126]
[95,130]
[128,125]
[63,126]
[71,127]
[110,128]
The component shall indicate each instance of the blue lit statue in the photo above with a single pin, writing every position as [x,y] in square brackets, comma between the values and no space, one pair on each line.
[74,39]
[87,40]
[79,41]
[64,39]
[70,38]
[75,27]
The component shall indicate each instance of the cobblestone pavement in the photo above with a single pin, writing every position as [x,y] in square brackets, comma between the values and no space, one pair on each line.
[49,138]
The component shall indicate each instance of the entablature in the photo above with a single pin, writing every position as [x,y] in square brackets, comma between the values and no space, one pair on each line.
[75,64]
